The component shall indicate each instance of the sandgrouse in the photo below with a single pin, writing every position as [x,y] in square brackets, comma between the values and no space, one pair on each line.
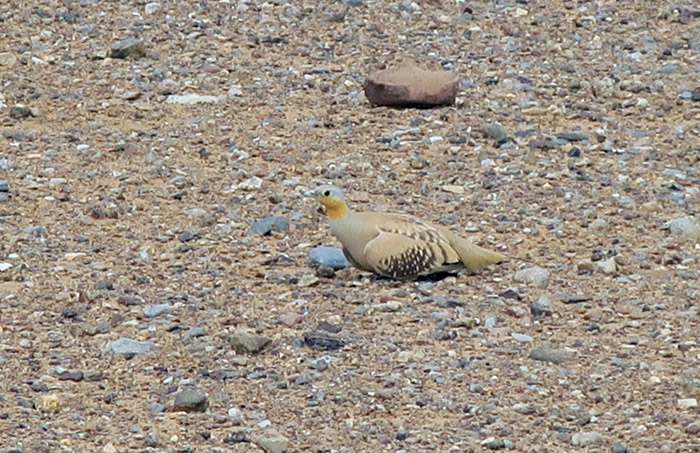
[398,246]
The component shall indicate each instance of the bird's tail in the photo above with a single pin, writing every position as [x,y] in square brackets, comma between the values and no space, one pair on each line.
[474,257]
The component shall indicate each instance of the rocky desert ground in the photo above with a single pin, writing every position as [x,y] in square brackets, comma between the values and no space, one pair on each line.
[140,312]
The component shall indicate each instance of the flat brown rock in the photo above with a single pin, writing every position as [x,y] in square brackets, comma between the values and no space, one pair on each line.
[410,86]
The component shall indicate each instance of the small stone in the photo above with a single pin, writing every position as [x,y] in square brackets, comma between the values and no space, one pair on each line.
[104,285]
[290,319]
[156,408]
[607,266]
[545,354]
[493,443]
[244,342]
[693,428]
[4,186]
[573,136]
[325,271]
[687,403]
[521,337]
[585,265]
[5,267]
[599,224]
[323,340]
[190,400]
[128,48]
[7,59]
[151,8]
[269,224]
[410,86]
[152,311]
[617,447]
[48,402]
[684,227]
[329,327]
[332,257]
[586,439]
[76,376]
[272,442]
[185,236]
[192,98]
[537,275]
[495,131]
[542,306]
[307,280]
[235,415]
[19,112]
[525,409]
[195,332]
[128,347]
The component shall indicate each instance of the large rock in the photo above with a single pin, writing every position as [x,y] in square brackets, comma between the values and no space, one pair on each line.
[410,86]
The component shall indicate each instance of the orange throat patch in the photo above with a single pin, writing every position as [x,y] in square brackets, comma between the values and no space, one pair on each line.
[335,208]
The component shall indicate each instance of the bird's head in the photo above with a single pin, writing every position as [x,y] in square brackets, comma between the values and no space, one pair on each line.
[332,199]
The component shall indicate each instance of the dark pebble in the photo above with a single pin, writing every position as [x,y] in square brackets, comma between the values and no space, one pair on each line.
[696,95]
[190,400]
[495,131]
[510,293]
[76,376]
[328,327]
[541,307]
[185,236]
[546,144]
[19,113]
[104,285]
[269,224]
[573,136]
[69,313]
[322,340]
[39,386]
[128,48]
[325,271]
[617,447]
[573,298]
[4,186]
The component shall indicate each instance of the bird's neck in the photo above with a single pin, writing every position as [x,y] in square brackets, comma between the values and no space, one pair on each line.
[336,209]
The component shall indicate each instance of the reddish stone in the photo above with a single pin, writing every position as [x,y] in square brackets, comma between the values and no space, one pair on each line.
[410,86]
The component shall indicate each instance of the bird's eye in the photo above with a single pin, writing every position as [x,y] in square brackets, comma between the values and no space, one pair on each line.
[326,193]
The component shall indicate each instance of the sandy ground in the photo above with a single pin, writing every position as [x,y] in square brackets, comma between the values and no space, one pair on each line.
[125,215]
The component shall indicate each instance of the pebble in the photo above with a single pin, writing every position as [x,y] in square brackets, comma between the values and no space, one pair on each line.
[322,340]
[307,280]
[618,447]
[272,442]
[48,402]
[152,311]
[521,337]
[75,376]
[599,224]
[4,186]
[542,306]
[607,266]
[685,227]
[192,98]
[128,347]
[525,409]
[537,275]
[244,342]
[269,224]
[5,267]
[235,415]
[493,443]
[190,400]
[7,59]
[586,439]
[687,403]
[290,319]
[332,257]
[545,354]
[104,285]
[573,136]
[325,271]
[151,8]
[410,86]
[128,48]
[495,131]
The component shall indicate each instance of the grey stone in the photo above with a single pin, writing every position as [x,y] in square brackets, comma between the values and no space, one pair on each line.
[332,257]
[587,439]
[618,447]
[684,226]
[269,224]
[573,136]
[670,68]
[193,98]
[152,311]
[521,337]
[126,346]
[4,186]
[544,354]
[537,275]
[495,131]
[190,400]
[194,332]
[694,40]
[104,285]
[128,48]
[245,342]
[156,408]
[542,306]
[272,442]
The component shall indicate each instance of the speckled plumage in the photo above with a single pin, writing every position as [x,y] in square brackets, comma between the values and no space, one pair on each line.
[399,246]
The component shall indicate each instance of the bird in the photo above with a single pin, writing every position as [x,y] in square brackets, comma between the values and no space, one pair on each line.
[398,246]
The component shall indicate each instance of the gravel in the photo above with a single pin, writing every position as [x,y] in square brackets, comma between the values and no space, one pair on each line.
[148,171]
